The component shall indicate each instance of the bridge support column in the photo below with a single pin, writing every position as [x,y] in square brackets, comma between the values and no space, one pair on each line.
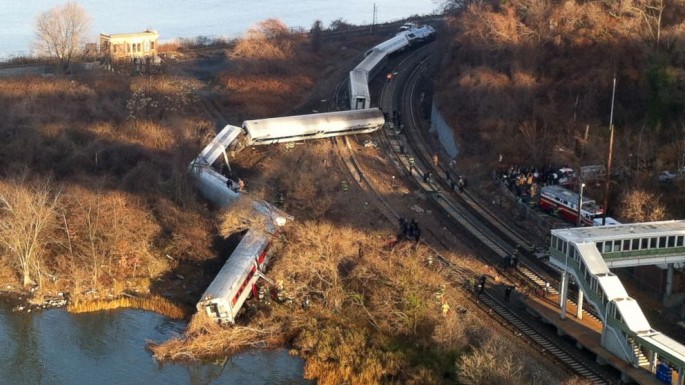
[653,358]
[579,312]
[563,294]
[669,282]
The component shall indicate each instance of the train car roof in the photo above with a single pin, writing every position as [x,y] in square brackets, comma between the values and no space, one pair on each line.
[338,120]
[232,275]
[371,60]
[398,40]
[217,146]
[359,82]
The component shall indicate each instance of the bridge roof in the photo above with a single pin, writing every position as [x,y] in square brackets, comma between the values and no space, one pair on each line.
[633,315]
[593,259]
[625,231]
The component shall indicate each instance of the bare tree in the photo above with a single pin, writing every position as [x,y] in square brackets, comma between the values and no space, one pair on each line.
[61,32]
[27,214]
[641,206]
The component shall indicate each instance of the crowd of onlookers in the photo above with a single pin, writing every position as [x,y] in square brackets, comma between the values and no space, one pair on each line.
[526,181]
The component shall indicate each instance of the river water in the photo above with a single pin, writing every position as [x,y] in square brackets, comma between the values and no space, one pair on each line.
[212,18]
[54,347]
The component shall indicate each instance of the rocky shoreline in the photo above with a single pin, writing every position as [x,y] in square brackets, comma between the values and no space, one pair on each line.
[26,301]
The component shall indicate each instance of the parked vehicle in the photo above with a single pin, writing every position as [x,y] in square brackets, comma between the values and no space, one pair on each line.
[666,177]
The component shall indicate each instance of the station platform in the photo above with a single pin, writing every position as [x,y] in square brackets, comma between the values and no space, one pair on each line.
[587,332]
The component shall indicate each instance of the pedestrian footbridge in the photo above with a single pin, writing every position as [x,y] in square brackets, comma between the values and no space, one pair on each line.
[587,254]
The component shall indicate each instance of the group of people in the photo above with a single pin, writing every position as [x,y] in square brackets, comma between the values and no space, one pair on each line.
[410,229]
[527,180]
[480,288]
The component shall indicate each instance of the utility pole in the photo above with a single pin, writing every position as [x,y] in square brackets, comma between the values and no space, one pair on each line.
[611,150]
[375,17]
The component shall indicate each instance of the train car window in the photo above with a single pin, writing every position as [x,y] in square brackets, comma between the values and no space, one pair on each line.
[679,241]
[564,244]
[599,246]
[608,247]
[671,241]
[617,245]
[645,244]
[662,242]
[626,245]
[636,244]
[652,243]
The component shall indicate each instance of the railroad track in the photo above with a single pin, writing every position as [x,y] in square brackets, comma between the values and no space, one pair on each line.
[409,151]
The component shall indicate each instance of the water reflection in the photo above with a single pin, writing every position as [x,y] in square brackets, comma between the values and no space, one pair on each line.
[54,347]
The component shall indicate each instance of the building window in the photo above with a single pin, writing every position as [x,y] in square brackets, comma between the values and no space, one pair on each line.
[652,243]
[599,246]
[662,242]
[608,246]
[626,245]
[152,46]
[671,241]
[636,244]
[617,245]
[645,244]
[147,45]
[679,241]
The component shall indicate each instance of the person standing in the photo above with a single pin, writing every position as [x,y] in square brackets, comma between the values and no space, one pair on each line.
[507,293]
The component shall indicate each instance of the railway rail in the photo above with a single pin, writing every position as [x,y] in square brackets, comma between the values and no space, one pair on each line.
[409,152]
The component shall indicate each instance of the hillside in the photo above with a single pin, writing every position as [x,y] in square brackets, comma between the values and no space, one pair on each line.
[542,73]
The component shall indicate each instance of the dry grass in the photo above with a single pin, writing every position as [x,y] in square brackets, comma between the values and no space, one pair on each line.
[375,314]
[155,304]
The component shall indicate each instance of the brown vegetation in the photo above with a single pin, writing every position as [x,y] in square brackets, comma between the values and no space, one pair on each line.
[120,175]
[154,303]
[542,72]
[117,149]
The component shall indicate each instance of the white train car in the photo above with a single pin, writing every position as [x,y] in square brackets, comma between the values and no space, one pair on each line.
[236,280]
[420,35]
[394,44]
[223,141]
[213,187]
[312,126]
[360,98]
[372,63]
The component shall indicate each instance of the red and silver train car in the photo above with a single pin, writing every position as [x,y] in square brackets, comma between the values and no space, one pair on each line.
[565,203]
[232,286]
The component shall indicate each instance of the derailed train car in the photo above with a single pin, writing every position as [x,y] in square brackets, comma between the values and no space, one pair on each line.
[375,58]
[312,126]
[236,280]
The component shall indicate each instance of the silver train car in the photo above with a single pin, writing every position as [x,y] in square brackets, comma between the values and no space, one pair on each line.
[223,141]
[375,58]
[212,186]
[360,98]
[236,280]
[312,126]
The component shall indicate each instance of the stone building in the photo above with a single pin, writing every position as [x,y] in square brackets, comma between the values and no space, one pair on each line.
[136,48]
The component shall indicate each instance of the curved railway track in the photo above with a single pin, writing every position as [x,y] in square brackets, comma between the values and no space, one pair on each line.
[410,153]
